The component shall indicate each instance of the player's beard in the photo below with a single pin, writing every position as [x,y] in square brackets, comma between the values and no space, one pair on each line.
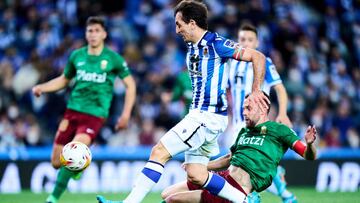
[249,123]
[187,37]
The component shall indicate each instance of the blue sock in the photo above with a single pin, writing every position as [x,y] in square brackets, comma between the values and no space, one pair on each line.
[218,186]
[214,183]
[153,170]
[280,186]
[147,179]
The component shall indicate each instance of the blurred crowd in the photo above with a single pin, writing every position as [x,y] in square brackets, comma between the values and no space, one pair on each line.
[315,46]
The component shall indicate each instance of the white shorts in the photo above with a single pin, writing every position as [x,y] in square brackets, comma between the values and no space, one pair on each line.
[197,134]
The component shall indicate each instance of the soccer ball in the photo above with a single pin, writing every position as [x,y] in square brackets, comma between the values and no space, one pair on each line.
[75,156]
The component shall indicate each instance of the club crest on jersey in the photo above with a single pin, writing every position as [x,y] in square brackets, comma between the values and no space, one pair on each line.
[206,52]
[103,64]
[263,130]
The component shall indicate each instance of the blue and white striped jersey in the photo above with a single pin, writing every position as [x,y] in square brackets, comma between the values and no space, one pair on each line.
[208,64]
[241,77]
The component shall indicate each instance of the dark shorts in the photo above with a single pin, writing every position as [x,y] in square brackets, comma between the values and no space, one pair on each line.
[207,197]
[75,123]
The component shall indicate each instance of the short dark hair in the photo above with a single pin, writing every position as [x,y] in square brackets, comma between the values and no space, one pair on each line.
[249,27]
[267,96]
[96,20]
[193,10]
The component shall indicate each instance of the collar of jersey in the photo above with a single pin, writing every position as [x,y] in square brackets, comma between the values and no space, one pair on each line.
[200,42]
[258,127]
[93,56]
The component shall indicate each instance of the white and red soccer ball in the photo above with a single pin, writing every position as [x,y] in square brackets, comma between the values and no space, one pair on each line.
[75,156]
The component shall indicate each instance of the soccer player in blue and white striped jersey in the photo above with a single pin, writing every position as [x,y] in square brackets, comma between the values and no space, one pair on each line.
[197,133]
[240,82]
[241,78]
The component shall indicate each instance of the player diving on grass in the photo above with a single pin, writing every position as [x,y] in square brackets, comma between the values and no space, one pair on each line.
[240,81]
[252,162]
[197,133]
[94,69]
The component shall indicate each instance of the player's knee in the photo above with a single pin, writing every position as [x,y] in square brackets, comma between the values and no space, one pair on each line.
[195,178]
[55,156]
[55,162]
[196,175]
[159,153]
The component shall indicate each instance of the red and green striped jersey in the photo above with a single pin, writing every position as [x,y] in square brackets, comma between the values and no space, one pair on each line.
[259,150]
[94,80]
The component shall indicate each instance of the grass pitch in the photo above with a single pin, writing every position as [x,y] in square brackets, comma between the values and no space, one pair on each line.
[304,195]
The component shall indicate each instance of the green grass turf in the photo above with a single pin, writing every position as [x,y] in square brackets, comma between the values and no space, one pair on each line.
[305,195]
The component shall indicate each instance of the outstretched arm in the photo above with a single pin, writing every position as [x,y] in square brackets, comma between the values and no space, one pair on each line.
[258,61]
[308,150]
[51,86]
[230,105]
[129,102]
[220,163]
[282,98]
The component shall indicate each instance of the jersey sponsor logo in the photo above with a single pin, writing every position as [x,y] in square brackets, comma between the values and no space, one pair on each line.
[103,64]
[239,77]
[82,75]
[255,140]
[194,65]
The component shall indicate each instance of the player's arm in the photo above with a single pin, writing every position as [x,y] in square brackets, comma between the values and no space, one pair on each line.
[130,95]
[307,150]
[230,104]
[220,163]
[53,85]
[282,98]
[258,60]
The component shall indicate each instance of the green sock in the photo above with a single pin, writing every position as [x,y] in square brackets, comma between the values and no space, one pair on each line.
[62,180]
[77,175]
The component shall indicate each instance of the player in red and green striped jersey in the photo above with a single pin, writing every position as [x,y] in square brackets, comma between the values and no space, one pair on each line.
[94,69]
[252,163]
